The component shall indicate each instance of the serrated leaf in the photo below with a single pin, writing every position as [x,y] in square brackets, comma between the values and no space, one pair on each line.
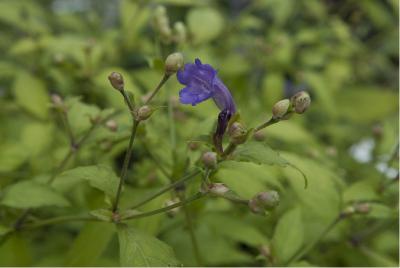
[141,249]
[100,177]
[29,194]
[288,236]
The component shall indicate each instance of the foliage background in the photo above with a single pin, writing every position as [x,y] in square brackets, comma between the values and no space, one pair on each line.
[345,53]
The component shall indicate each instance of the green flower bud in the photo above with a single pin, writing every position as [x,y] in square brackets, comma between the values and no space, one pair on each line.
[209,159]
[348,211]
[173,63]
[180,32]
[116,80]
[218,189]
[111,125]
[237,133]
[259,135]
[280,109]
[170,202]
[144,113]
[301,101]
[161,24]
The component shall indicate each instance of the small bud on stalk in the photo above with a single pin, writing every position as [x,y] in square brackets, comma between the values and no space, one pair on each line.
[264,201]
[180,32]
[281,109]
[173,63]
[144,113]
[259,136]
[112,125]
[170,202]
[116,80]
[209,159]
[58,103]
[362,208]
[218,189]
[237,133]
[301,101]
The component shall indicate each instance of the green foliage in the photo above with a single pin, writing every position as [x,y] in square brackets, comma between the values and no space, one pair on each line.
[140,249]
[29,194]
[60,159]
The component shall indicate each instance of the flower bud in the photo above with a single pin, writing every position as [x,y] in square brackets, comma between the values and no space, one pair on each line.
[161,24]
[180,32]
[348,211]
[56,100]
[362,208]
[193,145]
[209,159]
[170,202]
[218,189]
[173,63]
[259,135]
[301,101]
[264,201]
[280,109]
[144,113]
[112,125]
[237,133]
[116,80]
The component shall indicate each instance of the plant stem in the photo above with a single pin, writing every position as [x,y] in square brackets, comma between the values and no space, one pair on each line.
[155,91]
[266,124]
[129,103]
[68,128]
[231,147]
[310,246]
[56,220]
[167,188]
[125,165]
[164,209]
[192,234]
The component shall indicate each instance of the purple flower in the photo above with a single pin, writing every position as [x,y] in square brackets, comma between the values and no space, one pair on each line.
[202,83]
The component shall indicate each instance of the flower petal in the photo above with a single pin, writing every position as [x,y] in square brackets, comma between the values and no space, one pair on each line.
[189,95]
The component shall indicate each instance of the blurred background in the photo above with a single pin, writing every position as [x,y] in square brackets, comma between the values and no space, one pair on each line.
[344,53]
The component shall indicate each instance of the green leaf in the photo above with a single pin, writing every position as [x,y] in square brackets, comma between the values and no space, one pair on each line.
[205,24]
[321,201]
[29,194]
[381,211]
[141,249]
[30,94]
[90,244]
[4,229]
[12,156]
[288,236]
[234,229]
[259,153]
[100,177]
[360,191]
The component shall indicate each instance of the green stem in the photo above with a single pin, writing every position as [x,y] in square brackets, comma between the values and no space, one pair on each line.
[129,103]
[56,220]
[310,246]
[155,91]
[266,124]
[167,188]
[231,147]
[125,165]
[192,234]
[68,128]
[165,209]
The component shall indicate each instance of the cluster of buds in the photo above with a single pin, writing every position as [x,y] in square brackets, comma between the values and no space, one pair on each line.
[161,25]
[298,103]
[264,201]
[357,208]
